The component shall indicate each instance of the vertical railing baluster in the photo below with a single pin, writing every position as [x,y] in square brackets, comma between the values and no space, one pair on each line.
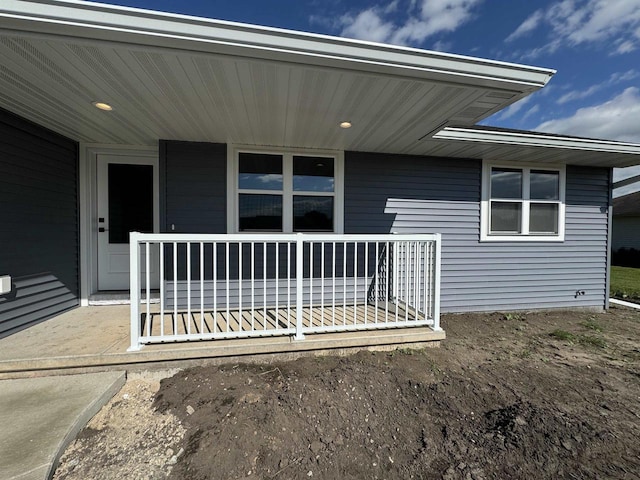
[416,285]
[264,284]
[240,274]
[227,268]
[175,288]
[323,246]
[355,282]
[188,288]
[376,272]
[387,289]
[253,266]
[311,284]
[214,277]
[162,275]
[201,288]
[276,245]
[299,284]
[333,283]
[344,282]
[288,284]
[366,280]
[147,266]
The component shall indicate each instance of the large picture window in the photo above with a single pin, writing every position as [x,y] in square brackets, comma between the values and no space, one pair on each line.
[285,192]
[522,203]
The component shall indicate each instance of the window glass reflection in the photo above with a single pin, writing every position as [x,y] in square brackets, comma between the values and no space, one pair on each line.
[543,218]
[260,212]
[260,171]
[545,185]
[506,217]
[506,183]
[312,213]
[313,174]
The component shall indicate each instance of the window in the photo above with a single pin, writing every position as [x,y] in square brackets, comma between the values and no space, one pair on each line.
[522,203]
[285,192]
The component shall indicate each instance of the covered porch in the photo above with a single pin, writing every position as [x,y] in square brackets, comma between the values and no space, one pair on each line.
[96,338]
[197,287]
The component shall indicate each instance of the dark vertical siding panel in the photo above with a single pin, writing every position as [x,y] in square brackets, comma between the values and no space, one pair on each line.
[387,193]
[38,222]
[195,187]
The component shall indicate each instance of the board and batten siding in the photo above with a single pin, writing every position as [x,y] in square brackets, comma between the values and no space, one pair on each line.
[405,194]
[38,223]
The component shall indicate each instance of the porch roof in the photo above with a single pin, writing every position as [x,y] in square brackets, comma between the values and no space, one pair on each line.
[178,77]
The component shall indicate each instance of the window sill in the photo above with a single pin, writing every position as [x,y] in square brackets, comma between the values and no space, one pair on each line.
[522,238]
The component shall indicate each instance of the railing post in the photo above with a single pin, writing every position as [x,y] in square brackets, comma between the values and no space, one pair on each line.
[299,284]
[134,290]
[436,284]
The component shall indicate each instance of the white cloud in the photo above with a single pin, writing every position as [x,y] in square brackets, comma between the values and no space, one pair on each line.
[514,108]
[615,119]
[533,110]
[575,22]
[367,25]
[614,79]
[530,24]
[423,19]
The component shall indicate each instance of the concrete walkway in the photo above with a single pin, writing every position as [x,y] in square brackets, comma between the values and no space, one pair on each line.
[39,417]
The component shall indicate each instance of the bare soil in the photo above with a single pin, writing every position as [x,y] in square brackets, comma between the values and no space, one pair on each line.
[521,396]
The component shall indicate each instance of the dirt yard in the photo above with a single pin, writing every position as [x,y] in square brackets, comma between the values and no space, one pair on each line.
[518,396]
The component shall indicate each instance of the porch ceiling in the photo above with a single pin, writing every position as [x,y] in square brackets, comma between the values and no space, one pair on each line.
[185,78]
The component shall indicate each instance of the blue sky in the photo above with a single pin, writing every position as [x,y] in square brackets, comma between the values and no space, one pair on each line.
[594,45]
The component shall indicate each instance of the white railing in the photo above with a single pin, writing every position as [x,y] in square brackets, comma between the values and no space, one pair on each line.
[233,286]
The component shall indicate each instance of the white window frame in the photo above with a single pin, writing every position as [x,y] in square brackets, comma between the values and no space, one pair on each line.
[525,236]
[287,192]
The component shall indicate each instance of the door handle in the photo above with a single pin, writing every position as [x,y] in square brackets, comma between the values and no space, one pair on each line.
[102,229]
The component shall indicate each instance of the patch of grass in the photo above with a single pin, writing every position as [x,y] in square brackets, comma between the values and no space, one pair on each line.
[562,335]
[511,316]
[625,283]
[592,341]
[591,324]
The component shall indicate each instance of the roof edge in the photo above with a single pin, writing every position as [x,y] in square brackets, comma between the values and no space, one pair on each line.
[81,19]
[536,139]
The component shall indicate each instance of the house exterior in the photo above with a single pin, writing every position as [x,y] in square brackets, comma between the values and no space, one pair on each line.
[626,222]
[115,120]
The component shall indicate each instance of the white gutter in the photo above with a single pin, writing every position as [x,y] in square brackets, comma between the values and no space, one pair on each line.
[94,21]
[533,139]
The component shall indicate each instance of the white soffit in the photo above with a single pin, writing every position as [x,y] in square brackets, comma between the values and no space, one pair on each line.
[532,147]
[187,78]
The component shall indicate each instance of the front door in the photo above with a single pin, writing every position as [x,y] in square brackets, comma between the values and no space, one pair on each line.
[127,202]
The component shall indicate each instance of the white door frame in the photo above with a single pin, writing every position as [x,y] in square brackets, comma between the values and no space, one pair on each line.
[89,208]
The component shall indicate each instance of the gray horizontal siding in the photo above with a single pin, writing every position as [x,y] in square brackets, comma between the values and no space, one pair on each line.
[194,187]
[386,193]
[38,223]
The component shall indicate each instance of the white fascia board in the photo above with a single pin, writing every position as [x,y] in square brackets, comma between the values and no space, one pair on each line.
[88,20]
[533,139]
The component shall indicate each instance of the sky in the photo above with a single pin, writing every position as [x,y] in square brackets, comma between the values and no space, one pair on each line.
[593,44]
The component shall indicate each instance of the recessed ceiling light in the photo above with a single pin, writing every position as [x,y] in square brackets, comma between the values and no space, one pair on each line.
[103,106]
[345,124]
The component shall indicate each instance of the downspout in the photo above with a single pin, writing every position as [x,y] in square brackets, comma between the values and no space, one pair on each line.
[609,230]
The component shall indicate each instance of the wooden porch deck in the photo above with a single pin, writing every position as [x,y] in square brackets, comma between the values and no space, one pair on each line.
[96,339]
[270,321]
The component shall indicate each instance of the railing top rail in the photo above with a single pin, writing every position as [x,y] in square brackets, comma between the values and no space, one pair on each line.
[282,237]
